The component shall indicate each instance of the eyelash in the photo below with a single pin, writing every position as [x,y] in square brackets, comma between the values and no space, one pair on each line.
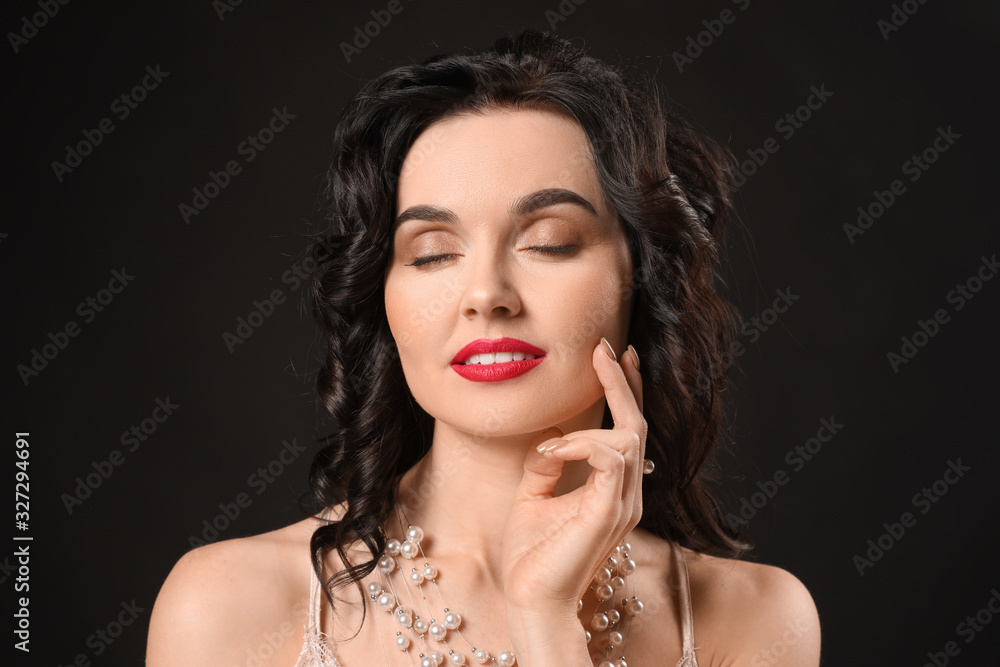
[548,250]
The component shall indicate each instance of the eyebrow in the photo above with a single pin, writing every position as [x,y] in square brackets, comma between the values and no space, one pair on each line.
[522,207]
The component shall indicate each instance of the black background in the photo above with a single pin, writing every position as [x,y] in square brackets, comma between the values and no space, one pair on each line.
[825,357]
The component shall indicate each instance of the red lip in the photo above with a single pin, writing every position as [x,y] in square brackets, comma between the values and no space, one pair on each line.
[484,345]
[496,372]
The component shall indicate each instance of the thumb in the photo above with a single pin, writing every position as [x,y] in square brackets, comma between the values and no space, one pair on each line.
[541,472]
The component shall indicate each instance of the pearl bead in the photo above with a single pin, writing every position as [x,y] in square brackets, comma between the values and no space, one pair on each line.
[457,659]
[647,466]
[403,642]
[626,567]
[633,607]
[404,616]
[606,663]
[482,656]
[417,577]
[420,626]
[579,606]
[427,662]
[621,663]
[386,601]
[392,547]
[627,546]
[614,616]
[437,631]
[414,534]
[603,576]
[617,583]
[437,657]
[408,550]
[616,638]
[387,564]
[599,622]
[430,572]
[452,620]
[589,636]
[506,659]
[374,588]
[604,592]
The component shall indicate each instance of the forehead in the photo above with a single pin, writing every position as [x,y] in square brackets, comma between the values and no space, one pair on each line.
[473,160]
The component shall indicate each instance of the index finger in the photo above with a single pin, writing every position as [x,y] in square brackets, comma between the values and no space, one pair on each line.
[624,393]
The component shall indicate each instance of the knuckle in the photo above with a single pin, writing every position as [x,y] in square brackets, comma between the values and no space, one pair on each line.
[633,442]
[618,461]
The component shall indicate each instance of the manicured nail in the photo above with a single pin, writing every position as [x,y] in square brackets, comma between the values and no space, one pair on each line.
[635,355]
[545,448]
[607,348]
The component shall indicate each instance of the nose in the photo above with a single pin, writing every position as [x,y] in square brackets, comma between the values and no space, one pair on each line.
[490,291]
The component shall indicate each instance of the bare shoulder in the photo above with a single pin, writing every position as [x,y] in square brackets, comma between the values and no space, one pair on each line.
[751,613]
[227,598]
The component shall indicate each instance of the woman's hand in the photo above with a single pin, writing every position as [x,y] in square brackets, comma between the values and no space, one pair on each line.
[553,545]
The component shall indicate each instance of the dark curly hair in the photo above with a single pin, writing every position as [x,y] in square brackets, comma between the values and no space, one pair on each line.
[668,184]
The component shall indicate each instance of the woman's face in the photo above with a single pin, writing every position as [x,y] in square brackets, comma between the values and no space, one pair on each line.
[486,195]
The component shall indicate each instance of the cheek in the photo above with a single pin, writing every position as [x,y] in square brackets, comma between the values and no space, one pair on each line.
[594,304]
[398,306]
[416,310]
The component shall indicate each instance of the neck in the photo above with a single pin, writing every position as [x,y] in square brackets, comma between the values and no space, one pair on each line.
[461,492]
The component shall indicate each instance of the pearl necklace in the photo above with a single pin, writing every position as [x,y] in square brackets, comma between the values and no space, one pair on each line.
[610,578]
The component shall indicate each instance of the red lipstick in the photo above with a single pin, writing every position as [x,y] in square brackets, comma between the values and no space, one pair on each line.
[496,372]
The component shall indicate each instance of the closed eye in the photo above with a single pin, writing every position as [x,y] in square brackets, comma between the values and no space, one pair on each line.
[548,250]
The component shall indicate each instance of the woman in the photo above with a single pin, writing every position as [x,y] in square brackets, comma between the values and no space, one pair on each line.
[510,233]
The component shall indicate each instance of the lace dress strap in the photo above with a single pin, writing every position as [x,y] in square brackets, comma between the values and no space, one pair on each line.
[316,651]
[315,600]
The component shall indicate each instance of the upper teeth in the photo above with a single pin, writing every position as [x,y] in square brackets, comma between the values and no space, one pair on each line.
[497,357]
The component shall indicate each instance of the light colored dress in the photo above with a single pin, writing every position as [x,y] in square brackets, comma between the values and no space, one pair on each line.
[317,652]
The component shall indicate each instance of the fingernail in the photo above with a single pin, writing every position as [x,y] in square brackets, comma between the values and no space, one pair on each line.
[635,355]
[607,348]
[545,448]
